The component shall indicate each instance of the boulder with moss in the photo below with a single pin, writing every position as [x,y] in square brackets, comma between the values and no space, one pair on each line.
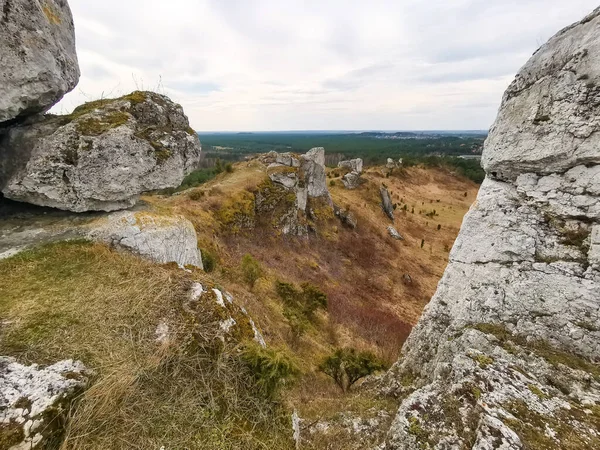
[100,157]
[506,353]
[160,238]
[39,61]
[35,401]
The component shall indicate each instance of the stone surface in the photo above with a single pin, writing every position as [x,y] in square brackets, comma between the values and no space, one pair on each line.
[550,114]
[394,233]
[159,238]
[101,157]
[390,164]
[386,202]
[354,165]
[506,353]
[351,180]
[34,400]
[346,217]
[37,50]
[298,193]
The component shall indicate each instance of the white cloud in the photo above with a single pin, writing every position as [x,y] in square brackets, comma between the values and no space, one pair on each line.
[314,64]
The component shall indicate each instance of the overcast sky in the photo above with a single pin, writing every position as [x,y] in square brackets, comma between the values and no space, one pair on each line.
[314,65]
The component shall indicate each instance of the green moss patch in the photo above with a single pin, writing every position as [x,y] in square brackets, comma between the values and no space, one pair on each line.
[97,125]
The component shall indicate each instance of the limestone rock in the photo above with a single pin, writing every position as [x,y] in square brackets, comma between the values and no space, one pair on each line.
[506,353]
[304,179]
[550,114]
[386,202]
[39,61]
[162,239]
[346,217]
[351,180]
[100,157]
[34,400]
[354,165]
[390,164]
[394,233]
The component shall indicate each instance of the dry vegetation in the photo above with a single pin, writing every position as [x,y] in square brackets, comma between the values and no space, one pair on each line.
[84,301]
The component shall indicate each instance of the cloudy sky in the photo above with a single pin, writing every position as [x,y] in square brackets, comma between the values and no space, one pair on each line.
[315,64]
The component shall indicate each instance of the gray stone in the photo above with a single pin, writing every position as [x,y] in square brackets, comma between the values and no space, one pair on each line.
[550,114]
[312,165]
[351,180]
[346,217]
[102,156]
[355,165]
[394,233]
[162,239]
[32,397]
[390,164]
[523,281]
[386,202]
[39,61]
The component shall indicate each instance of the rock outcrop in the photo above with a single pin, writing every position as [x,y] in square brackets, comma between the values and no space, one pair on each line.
[100,157]
[386,202]
[298,194]
[37,50]
[506,353]
[352,180]
[34,402]
[163,239]
[394,233]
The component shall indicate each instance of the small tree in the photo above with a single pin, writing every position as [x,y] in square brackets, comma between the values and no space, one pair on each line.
[251,269]
[347,366]
[270,368]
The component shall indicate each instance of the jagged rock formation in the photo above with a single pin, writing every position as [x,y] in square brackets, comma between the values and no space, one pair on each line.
[100,157]
[352,179]
[162,239]
[386,202]
[394,233]
[298,191]
[37,50]
[34,401]
[346,217]
[505,355]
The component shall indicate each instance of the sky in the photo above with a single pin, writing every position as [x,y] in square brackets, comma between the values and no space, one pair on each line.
[263,65]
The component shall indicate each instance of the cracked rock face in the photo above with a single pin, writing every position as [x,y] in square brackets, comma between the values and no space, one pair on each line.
[101,157]
[37,50]
[34,401]
[507,353]
[163,239]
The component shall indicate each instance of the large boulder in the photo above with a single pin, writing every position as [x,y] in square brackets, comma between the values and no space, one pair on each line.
[506,353]
[160,238]
[35,401]
[354,165]
[386,202]
[550,114]
[100,157]
[37,50]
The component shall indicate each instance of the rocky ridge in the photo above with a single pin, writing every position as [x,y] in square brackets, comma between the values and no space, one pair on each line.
[506,353]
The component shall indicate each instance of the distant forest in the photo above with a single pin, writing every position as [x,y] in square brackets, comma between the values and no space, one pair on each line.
[427,148]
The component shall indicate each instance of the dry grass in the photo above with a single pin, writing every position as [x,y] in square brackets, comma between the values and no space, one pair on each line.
[84,301]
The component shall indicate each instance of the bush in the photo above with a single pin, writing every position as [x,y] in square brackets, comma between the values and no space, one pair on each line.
[209,261]
[251,269]
[270,368]
[305,301]
[229,168]
[332,183]
[347,366]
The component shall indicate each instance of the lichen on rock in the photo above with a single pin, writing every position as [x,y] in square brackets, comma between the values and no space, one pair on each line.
[506,353]
[100,157]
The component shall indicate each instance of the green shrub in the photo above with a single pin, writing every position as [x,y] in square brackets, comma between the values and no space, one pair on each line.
[298,324]
[229,168]
[287,292]
[196,195]
[347,366]
[209,261]
[312,299]
[332,183]
[270,368]
[251,269]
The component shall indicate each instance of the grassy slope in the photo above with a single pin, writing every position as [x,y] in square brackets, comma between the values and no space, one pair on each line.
[360,270]
[79,300]
[84,301]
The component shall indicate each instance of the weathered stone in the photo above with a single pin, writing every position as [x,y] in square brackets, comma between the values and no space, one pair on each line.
[550,114]
[34,401]
[351,180]
[39,61]
[355,165]
[346,217]
[394,233]
[162,239]
[312,166]
[386,202]
[390,164]
[100,157]
[506,353]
